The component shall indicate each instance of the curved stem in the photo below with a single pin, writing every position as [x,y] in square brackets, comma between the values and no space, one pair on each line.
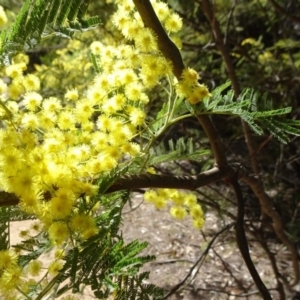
[208,11]
[282,11]
[215,143]
[267,207]
[131,182]
[242,240]
[172,53]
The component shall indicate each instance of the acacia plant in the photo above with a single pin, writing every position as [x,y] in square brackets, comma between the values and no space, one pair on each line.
[72,152]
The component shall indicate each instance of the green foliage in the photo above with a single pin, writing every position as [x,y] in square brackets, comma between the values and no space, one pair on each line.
[42,19]
[253,108]
[106,264]
[4,227]
[263,45]
[135,288]
[180,150]
[8,215]
[35,247]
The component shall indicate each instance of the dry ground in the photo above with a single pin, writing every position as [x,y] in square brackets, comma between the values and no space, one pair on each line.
[177,246]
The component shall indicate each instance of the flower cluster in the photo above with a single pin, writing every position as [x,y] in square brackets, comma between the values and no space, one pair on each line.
[182,204]
[14,277]
[67,67]
[3,17]
[54,146]
[11,273]
[151,66]
[190,88]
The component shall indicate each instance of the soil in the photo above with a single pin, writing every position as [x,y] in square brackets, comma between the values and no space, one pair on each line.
[221,274]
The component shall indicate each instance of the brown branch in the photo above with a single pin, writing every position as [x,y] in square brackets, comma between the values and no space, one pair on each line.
[208,11]
[131,182]
[242,240]
[267,207]
[258,234]
[202,256]
[165,44]
[282,11]
[215,143]
[171,52]
[7,199]
[168,49]
[228,20]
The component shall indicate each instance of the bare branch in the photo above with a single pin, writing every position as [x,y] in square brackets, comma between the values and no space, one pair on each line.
[202,256]
[229,20]
[267,207]
[208,11]
[282,11]
[171,52]
[242,240]
[258,234]
[131,182]
[165,44]
[215,143]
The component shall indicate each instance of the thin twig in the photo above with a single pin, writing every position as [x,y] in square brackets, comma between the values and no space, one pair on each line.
[267,207]
[228,269]
[282,11]
[209,13]
[205,252]
[228,21]
[272,259]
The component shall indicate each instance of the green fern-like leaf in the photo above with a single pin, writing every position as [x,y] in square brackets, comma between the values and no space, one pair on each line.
[73,13]
[106,180]
[126,257]
[64,11]
[18,28]
[83,9]
[253,108]
[247,117]
[288,126]
[160,118]
[180,150]
[89,23]
[54,6]
[106,264]
[41,19]
[180,107]
[135,288]
[211,103]
[271,113]
[277,131]
[34,253]
[37,19]
[4,227]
